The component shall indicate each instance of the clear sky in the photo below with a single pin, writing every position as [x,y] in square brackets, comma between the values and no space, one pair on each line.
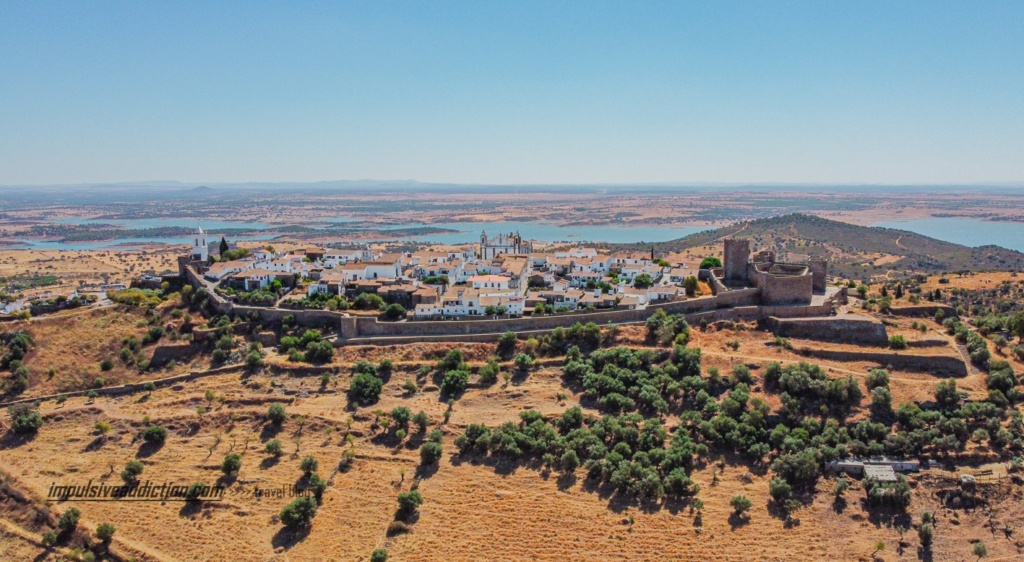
[512,92]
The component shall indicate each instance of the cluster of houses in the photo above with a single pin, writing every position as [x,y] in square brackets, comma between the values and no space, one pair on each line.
[500,275]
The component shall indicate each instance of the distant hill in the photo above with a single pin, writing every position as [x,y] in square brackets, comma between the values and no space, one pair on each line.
[853,250]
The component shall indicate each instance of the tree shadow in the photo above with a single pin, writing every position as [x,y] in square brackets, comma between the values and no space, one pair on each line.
[839,505]
[148,449]
[96,444]
[425,471]
[736,521]
[270,431]
[269,462]
[190,509]
[565,481]
[12,439]
[924,554]
[287,538]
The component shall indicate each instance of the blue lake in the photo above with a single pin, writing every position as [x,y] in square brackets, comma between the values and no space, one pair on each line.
[967,232]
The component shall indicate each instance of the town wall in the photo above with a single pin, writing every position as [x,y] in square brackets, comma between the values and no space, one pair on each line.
[838,329]
[924,310]
[939,365]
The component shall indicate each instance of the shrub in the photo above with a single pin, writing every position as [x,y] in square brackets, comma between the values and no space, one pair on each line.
[232,464]
[276,414]
[430,452]
[454,382]
[69,519]
[410,387]
[740,504]
[401,415]
[155,434]
[394,311]
[408,502]
[876,378]
[741,373]
[106,364]
[710,262]
[379,555]
[131,471]
[319,352]
[49,539]
[299,513]
[253,360]
[273,447]
[570,461]
[898,342]
[421,420]
[489,372]
[365,388]
[309,465]
[105,532]
[523,362]
[926,533]
[452,361]
[25,418]
[506,344]
[780,490]
[842,484]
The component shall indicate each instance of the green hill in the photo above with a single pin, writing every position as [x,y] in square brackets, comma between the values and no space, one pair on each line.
[852,249]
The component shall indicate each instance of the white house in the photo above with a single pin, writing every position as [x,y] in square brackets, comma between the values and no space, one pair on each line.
[221,270]
[489,282]
[577,252]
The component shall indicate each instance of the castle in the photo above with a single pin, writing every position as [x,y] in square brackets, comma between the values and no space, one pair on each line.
[502,244]
[779,282]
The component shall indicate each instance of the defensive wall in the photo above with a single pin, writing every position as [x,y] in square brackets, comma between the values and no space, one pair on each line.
[736,304]
[939,365]
[840,329]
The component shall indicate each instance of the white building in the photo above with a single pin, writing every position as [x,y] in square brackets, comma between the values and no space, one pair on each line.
[200,245]
[502,244]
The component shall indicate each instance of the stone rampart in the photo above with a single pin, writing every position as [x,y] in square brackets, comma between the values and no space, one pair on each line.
[939,365]
[839,329]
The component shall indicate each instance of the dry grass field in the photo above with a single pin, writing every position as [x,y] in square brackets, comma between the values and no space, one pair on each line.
[474,508]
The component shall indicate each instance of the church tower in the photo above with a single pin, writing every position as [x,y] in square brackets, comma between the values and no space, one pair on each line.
[200,245]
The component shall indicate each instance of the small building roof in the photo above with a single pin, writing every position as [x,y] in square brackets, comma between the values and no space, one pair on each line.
[880,472]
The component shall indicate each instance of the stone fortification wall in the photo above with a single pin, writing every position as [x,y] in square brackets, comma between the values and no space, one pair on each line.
[924,310]
[938,365]
[838,329]
[784,288]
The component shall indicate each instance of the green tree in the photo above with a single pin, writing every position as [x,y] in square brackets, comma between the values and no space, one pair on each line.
[105,532]
[408,502]
[274,447]
[430,453]
[155,434]
[25,417]
[643,281]
[276,414]
[223,246]
[309,465]
[69,519]
[232,464]
[506,344]
[365,388]
[379,555]
[394,311]
[299,513]
[131,471]
[740,504]
[710,262]
[691,285]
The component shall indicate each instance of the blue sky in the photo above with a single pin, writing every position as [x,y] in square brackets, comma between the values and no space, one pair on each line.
[512,92]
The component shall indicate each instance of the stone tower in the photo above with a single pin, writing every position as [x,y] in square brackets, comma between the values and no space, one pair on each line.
[737,254]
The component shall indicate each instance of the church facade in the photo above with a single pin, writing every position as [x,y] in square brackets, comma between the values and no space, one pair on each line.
[511,243]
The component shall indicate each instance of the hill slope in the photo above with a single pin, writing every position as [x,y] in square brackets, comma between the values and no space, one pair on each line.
[854,250]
